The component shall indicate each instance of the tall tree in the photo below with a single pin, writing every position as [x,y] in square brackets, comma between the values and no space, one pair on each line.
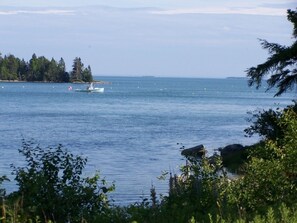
[23,70]
[43,65]
[51,73]
[33,68]
[77,69]
[87,75]
[9,67]
[79,72]
[63,76]
[281,65]
[1,60]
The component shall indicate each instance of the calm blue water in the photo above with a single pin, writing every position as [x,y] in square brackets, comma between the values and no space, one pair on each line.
[130,132]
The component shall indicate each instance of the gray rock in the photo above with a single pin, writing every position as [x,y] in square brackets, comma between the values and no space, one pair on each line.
[196,151]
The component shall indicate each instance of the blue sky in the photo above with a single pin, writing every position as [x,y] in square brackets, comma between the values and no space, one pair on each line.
[180,38]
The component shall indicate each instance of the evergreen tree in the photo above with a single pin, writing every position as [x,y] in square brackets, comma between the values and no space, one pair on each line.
[79,72]
[38,68]
[77,69]
[1,59]
[282,64]
[33,68]
[9,68]
[87,75]
[42,69]
[52,71]
[23,70]
[63,76]
[43,65]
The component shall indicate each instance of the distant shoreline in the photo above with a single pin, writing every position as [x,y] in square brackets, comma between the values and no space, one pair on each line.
[76,82]
[8,81]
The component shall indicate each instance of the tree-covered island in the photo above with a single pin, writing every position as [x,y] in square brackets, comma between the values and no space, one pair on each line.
[42,69]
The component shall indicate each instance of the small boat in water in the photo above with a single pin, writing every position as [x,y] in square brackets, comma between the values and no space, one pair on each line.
[91,89]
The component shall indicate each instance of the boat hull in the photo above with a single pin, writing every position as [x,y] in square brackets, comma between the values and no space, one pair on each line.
[95,90]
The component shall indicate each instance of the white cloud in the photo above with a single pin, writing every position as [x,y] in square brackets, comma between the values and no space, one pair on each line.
[42,12]
[224,10]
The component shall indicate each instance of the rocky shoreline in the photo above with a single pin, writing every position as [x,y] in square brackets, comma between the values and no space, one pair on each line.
[233,155]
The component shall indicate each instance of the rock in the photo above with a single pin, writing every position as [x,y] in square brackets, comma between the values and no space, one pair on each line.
[231,149]
[233,156]
[196,151]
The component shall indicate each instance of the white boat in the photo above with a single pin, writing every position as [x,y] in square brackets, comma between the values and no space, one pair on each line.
[91,89]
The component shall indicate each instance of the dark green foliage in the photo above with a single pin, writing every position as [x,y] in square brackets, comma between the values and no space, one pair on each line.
[2,190]
[62,74]
[77,69]
[9,66]
[281,64]
[42,69]
[23,70]
[51,186]
[79,72]
[271,174]
[266,123]
[197,192]
[87,75]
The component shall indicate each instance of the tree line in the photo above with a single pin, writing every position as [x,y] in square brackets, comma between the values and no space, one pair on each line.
[42,69]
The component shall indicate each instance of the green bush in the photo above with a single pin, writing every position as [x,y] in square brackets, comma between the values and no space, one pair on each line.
[271,174]
[51,186]
[266,123]
[198,191]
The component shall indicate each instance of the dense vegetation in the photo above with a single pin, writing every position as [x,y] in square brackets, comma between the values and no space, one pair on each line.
[42,69]
[51,188]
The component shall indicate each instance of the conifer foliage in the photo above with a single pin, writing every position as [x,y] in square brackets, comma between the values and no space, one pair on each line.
[281,66]
[42,69]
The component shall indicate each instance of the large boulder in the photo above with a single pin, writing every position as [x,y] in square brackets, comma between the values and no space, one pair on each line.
[233,156]
[230,149]
[196,151]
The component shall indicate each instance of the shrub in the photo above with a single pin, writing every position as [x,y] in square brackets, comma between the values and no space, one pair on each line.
[266,123]
[271,174]
[51,185]
[199,190]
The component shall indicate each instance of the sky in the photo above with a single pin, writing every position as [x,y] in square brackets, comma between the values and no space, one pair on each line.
[166,38]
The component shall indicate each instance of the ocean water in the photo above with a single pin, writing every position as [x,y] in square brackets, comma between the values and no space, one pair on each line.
[134,130]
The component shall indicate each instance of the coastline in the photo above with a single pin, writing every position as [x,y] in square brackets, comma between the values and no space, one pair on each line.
[75,82]
[13,81]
